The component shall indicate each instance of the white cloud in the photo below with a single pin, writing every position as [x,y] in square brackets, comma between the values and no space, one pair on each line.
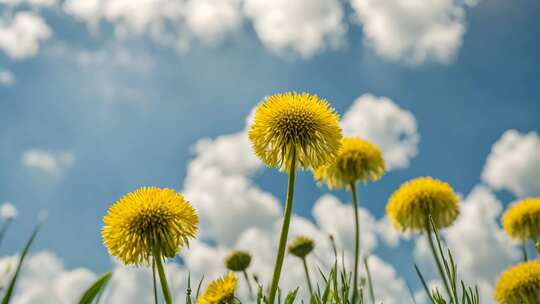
[303,26]
[412,31]
[168,22]
[513,164]
[6,77]
[8,211]
[20,36]
[33,3]
[480,247]
[53,163]
[43,279]
[213,20]
[234,203]
[380,120]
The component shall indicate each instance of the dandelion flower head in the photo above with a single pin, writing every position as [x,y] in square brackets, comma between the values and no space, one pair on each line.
[146,218]
[298,124]
[410,206]
[219,291]
[357,160]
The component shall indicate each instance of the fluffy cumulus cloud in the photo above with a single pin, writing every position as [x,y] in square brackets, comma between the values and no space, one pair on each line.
[513,164]
[6,77]
[168,22]
[33,3]
[479,245]
[49,162]
[412,31]
[43,279]
[383,122]
[303,27]
[213,20]
[22,34]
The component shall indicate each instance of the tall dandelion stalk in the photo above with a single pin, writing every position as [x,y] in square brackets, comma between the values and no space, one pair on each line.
[291,131]
[522,222]
[357,160]
[147,226]
[420,205]
[300,247]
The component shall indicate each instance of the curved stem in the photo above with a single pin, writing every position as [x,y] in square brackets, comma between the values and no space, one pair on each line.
[162,276]
[248,284]
[284,230]
[370,282]
[154,281]
[356,242]
[524,250]
[437,260]
[307,276]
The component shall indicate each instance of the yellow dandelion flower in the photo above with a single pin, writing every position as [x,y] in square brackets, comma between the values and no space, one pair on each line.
[219,291]
[301,246]
[522,220]
[238,260]
[519,284]
[409,207]
[146,218]
[357,160]
[292,123]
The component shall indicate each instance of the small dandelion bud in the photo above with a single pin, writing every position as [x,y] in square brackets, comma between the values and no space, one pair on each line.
[238,260]
[301,246]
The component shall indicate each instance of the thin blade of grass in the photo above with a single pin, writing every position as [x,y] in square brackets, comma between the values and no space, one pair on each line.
[9,291]
[93,292]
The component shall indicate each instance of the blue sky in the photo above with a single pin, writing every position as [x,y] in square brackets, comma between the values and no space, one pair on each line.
[128,114]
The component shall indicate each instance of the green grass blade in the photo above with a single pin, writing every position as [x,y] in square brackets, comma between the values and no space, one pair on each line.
[11,288]
[95,290]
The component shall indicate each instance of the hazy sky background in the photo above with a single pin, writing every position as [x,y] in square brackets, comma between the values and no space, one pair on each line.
[96,101]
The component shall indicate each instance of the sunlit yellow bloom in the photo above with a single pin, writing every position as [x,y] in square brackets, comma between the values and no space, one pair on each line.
[357,160]
[146,218]
[409,207]
[519,284]
[219,291]
[301,246]
[295,123]
[238,260]
[522,220]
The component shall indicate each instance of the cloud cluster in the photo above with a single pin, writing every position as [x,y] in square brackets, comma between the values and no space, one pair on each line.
[49,162]
[302,26]
[22,34]
[412,32]
[8,211]
[383,122]
[513,164]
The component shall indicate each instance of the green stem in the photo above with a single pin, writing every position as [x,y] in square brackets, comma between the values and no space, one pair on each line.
[307,276]
[524,250]
[284,230]
[154,281]
[437,260]
[248,284]
[162,276]
[356,242]
[370,282]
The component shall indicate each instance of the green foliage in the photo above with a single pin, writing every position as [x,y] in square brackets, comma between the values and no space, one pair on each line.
[460,293]
[92,294]
[11,286]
